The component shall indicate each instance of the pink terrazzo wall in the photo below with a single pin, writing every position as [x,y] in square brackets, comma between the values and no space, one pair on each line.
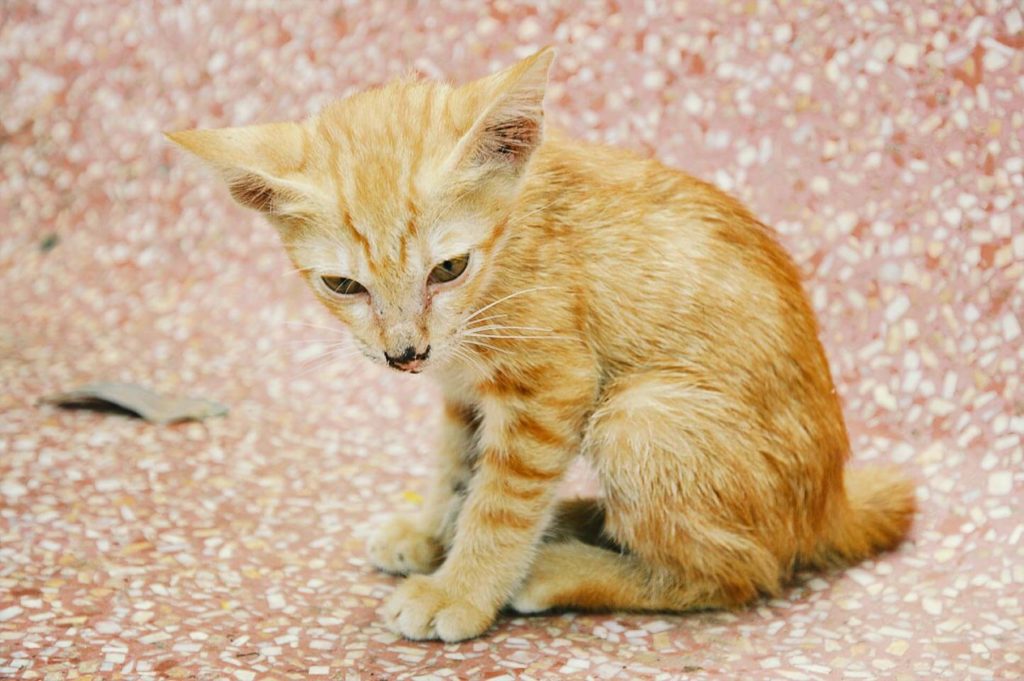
[883,139]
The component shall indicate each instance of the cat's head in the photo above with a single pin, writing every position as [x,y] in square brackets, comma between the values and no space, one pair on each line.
[393,202]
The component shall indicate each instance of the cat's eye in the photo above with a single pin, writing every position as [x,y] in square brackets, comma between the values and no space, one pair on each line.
[343,286]
[449,270]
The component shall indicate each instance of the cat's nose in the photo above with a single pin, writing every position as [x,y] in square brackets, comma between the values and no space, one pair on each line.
[408,360]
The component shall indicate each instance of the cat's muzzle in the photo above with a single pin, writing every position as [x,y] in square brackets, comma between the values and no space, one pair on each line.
[409,360]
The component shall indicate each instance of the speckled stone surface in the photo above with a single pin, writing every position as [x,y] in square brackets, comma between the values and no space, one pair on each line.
[883,139]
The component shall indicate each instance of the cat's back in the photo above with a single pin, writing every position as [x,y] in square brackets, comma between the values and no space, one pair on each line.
[617,207]
[655,248]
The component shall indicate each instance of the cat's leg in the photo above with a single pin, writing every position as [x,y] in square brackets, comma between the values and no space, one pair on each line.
[573,574]
[400,546]
[579,566]
[407,544]
[689,498]
[531,429]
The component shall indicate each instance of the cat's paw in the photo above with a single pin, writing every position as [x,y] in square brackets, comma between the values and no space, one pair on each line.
[400,547]
[424,608]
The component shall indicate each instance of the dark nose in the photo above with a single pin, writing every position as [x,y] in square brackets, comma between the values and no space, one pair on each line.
[409,360]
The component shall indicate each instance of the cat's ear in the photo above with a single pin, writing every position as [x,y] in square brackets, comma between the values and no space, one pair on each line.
[261,164]
[511,125]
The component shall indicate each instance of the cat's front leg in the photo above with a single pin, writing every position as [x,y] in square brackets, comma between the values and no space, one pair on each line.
[527,441]
[405,544]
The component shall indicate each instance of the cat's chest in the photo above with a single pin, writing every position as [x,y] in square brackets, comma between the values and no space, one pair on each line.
[461,388]
[459,382]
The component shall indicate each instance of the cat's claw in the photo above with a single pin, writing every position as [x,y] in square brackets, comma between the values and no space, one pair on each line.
[400,547]
[422,608]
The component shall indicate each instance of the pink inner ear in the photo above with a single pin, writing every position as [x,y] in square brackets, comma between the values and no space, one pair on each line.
[252,192]
[510,139]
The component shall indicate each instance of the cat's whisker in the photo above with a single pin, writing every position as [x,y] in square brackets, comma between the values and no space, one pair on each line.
[533,212]
[500,327]
[508,297]
[508,332]
[292,347]
[269,353]
[499,315]
[334,328]
[308,370]
[286,353]
[325,360]
[296,270]
[334,345]
[452,202]
[489,346]
[507,337]
[335,352]
[328,343]
[467,356]
[301,341]
[486,319]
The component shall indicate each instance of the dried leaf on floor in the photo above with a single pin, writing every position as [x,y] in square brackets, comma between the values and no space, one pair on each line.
[137,400]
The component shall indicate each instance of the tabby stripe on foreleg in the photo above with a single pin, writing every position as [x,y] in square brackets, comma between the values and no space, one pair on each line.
[525,447]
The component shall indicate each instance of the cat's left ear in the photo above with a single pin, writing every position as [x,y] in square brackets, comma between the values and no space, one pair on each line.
[511,125]
[261,164]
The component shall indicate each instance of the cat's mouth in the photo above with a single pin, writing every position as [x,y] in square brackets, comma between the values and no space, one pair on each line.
[409,361]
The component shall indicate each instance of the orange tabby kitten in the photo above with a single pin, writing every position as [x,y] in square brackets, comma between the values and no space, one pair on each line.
[571,299]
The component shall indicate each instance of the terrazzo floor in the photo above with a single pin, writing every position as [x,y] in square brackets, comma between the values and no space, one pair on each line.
[883,139]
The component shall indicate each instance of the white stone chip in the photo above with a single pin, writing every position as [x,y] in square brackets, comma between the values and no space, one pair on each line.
[1011,326]
[10,613]
[908,54]
[12,489]
[896,308]
[932,606]
[1000,482]
[1014,21]
[693,103]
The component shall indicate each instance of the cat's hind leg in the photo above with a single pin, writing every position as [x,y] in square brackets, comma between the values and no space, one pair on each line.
[572,574]
[695,497]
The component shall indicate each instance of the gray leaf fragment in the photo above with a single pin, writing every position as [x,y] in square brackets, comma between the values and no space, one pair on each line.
[151,406]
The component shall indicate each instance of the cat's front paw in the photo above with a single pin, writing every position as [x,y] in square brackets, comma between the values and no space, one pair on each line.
[400,547]
[424,608]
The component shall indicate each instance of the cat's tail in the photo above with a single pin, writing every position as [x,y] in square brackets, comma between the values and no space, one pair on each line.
[877,515]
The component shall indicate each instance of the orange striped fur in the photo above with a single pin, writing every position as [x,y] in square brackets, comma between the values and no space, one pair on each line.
[610,308]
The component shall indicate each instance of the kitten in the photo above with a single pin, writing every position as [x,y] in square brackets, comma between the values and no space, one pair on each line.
[571,299]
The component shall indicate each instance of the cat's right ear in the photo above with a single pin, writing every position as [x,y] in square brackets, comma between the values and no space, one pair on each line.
[261,164]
